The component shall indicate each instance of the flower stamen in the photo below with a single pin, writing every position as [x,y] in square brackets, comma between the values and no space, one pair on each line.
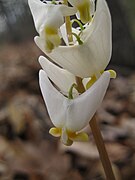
[79,23]
[80,42]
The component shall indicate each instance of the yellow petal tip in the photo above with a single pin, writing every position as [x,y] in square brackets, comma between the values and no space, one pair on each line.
[80,137]
[112,73]
[83,136]
[55,132]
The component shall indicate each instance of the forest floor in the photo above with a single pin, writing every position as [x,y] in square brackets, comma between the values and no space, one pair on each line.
[28,152]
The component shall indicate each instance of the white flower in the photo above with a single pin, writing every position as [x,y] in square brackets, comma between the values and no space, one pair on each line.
[69,116]
[86,9]
[48,18]
[94,54]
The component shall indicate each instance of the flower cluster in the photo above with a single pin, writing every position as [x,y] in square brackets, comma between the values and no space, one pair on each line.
[79,76]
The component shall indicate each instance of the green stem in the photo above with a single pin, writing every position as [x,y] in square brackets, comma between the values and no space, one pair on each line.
[79,23]
[78,39]
[70,93]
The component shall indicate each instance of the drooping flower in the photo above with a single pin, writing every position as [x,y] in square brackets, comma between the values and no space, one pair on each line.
[69,116]
[94,54]
[48,18]
[86,9]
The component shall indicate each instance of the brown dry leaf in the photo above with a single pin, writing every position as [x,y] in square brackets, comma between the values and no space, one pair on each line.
[117,152]
[129,125]
[114,133]
[73,175]
[105,117]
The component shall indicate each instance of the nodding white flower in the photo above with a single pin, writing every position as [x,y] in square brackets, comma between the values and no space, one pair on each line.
[69,116]
[86,9]
[48,18]
[94,54]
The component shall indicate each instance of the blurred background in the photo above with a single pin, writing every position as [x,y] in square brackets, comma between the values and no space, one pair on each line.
[27,151]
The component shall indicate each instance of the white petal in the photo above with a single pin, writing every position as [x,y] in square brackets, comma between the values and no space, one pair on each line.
[94,55]
[75,2]
[84,107]
[39,42]
[61,77]
[39,12]
[64,34]
[49,14]
[67,11]
[55,101]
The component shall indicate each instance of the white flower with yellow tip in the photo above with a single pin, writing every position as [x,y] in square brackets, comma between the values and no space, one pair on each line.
[91,57]
[86,9]
[48,18]
[69,116]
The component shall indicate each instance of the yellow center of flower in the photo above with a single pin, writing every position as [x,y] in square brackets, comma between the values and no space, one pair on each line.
[67,136]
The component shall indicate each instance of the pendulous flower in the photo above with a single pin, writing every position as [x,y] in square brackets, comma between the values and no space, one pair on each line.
[86,9]
[69,116]
[94,54]
[48,18]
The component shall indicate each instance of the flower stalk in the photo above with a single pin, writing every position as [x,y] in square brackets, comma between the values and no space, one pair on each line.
[101,149]
[93,124]
[68,26]
[80,86]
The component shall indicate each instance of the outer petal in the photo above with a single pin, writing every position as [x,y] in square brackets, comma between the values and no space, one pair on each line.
[94,55]
[56,103]
[82,109]
[61,77]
